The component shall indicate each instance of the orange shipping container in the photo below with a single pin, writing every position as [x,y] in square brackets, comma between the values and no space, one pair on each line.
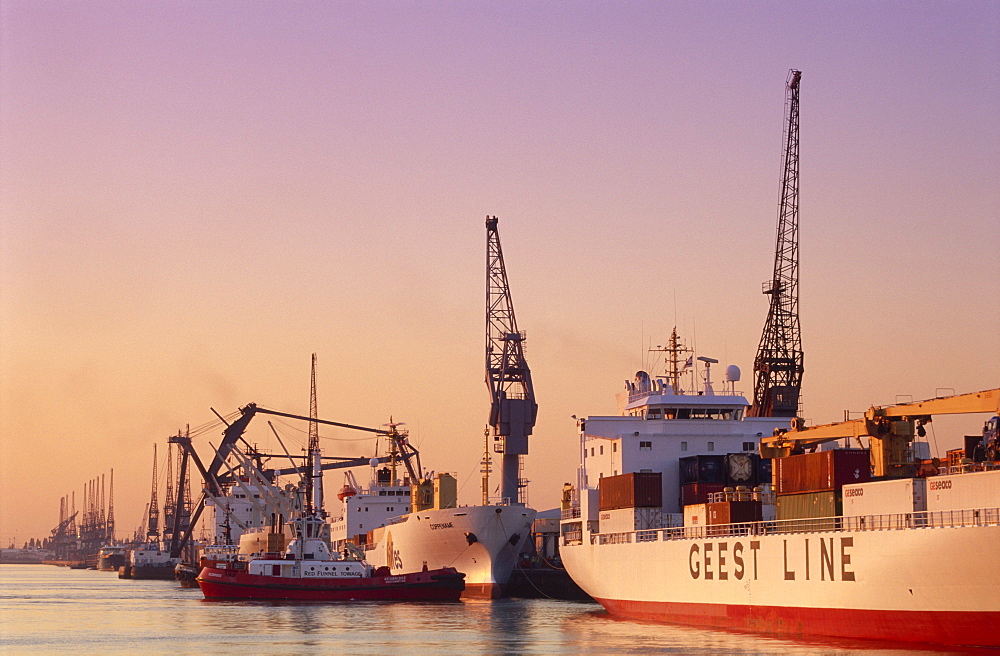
[734,512]
[632,490]
[821,471]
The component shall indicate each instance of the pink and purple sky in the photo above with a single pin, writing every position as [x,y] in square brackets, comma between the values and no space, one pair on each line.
[196,196]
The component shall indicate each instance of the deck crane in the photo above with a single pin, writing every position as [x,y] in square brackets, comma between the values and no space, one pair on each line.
[778,365]
[512,398]
[215,480]
[891,430]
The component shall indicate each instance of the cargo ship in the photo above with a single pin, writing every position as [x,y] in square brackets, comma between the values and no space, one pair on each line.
[688,511]
[403,526]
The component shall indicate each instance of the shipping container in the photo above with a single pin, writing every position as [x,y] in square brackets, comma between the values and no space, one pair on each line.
[974,490]
[821,471]
[702,469]
[741,469]
[699,492]
[626,520]
[809,505]
[696,515]
[888,497]
[733,512]
[632,490]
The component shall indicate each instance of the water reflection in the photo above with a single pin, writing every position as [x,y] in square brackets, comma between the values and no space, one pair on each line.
[49,610]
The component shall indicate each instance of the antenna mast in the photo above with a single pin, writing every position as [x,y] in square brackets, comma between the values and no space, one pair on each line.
[513,408]
[778,365]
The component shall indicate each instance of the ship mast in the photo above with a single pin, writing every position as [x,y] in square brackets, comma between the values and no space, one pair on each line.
[778,365]
[314,487]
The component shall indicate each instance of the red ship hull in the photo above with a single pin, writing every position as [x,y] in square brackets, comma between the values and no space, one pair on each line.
[937,627]
[433,585]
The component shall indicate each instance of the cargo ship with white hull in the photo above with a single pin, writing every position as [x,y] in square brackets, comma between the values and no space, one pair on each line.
[403,527]
[688,511]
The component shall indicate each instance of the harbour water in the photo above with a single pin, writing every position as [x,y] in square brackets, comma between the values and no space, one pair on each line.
[54,610]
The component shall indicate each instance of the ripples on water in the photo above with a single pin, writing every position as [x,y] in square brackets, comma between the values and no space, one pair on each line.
[53,610]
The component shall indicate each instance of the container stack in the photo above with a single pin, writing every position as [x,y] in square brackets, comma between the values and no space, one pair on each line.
[630,502]
[701,477]
[811,485]
[746,469]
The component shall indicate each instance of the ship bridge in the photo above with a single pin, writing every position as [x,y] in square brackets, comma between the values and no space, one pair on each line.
[666,405]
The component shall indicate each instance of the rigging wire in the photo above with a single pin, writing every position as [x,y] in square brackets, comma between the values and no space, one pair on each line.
[327,437]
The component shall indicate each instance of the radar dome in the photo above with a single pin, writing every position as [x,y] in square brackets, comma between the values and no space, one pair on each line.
[732,374]
[373,462]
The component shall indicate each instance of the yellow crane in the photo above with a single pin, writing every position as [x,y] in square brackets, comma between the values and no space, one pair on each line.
[891,429]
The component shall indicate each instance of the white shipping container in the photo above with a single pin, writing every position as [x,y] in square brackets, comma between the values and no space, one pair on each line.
[696,514]
[891,497]
[961,491]
[625,520]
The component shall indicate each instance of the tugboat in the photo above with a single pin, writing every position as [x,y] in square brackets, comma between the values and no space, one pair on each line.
[309,571]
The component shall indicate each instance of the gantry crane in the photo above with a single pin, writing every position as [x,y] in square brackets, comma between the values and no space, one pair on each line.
[891,429]
[778,366]
[512,398]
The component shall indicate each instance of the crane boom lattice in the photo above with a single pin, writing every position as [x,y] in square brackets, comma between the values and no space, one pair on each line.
[512,398]
[778,366]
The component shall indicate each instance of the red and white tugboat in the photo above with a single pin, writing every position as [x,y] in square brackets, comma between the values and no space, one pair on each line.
[308,571]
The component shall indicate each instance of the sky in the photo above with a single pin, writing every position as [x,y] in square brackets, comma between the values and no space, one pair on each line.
[197,196]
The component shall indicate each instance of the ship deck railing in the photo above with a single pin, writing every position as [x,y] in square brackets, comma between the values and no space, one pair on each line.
[967,467]
[922,520]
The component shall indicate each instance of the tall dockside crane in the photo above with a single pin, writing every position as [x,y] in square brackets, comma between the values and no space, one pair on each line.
[153,521]
[111,509]
[778,365]
[180,518]
[512,408]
